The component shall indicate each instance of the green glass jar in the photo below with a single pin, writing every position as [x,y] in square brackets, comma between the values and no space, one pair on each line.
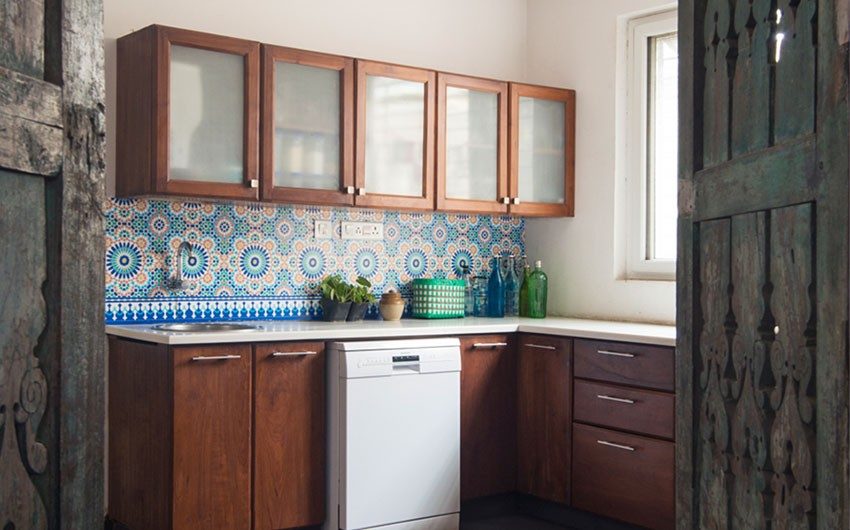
[538,290]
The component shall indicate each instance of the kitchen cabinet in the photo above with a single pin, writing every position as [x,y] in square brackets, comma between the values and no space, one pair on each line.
[544,416]
[307,131]
[395,136]
[289,435]
[188,114]
[472,144]
[542,151]
[487,416]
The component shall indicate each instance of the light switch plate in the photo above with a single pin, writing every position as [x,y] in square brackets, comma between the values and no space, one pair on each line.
[323,229]
[358,230]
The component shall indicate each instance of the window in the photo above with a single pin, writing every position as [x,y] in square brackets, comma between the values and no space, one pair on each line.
[652,146]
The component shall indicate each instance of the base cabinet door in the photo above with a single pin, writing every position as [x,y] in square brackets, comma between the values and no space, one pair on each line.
[212,437]
[487,416]
[624,476]
[289,436]
[544,417]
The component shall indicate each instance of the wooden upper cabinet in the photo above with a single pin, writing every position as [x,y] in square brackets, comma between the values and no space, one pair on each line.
[307,135]
[188,114]
[472,144]
[395,136]
[542,152]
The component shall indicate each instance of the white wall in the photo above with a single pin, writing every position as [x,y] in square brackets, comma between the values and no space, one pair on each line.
[573,43]
[477,37]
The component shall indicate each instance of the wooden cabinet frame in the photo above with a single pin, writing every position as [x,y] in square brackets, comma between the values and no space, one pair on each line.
[344,195]
[444,203]
[428,78]
[532,209]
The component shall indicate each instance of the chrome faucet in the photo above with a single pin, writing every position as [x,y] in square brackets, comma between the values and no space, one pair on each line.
[176,281]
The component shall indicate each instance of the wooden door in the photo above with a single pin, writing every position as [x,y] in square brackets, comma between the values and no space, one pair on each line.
[487,416]
[394,136]
[51,268]
[544,416]
[472,144]
[289,435]
[307,127]
[212,437]
[762,265]
[542,151]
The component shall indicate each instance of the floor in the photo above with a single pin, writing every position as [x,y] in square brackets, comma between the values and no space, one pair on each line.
[510,522]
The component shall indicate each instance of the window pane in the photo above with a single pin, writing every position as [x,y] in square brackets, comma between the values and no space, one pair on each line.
[662,207]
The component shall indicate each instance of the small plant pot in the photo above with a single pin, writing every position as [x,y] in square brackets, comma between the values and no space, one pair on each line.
[357,311]
[333,311]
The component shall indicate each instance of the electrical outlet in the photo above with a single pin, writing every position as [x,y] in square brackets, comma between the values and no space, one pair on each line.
[355,230]
[323,229]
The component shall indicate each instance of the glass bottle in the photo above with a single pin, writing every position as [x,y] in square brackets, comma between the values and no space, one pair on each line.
[538,287]
[480,295]
[511,288]
[469,294]
[523,291]
[496,292]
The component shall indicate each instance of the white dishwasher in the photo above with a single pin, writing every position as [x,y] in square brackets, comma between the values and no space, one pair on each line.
[394,435]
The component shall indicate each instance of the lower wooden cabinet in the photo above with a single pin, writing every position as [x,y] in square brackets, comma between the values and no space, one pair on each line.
[624,476]
[544,406]
[487,416]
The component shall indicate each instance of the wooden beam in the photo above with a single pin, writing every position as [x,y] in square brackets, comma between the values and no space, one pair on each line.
[30,147]
[22,28]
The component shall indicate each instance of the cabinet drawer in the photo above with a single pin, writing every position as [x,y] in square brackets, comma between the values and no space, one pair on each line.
[629,364]
[543,343]
[624,476]
[629,409]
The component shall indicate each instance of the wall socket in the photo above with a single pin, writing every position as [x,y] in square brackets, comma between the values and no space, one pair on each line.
[323,229]
[358,230]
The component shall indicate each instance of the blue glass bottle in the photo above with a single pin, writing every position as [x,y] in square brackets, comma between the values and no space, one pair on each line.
[496,292]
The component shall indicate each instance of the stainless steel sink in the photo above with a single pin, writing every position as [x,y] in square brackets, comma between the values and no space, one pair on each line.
[205,327]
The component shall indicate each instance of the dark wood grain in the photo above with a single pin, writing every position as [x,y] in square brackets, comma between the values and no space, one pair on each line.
[289,435]
[647,366]
[212,438]
[795,83]
[635,486]
[544,419]
[751,81]
[488,434]
[715,87]
[650,412]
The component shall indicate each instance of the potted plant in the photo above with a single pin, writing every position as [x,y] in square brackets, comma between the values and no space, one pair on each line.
[336,298]
[361,299]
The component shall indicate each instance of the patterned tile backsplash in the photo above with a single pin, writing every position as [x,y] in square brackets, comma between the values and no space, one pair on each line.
[256,261]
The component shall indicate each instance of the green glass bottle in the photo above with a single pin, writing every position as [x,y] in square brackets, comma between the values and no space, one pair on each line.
[537,292]
[523,291]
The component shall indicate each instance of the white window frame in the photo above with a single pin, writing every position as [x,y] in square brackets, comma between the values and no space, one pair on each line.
[639,30]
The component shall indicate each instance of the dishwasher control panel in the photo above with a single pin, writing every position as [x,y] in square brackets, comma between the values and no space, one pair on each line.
[396,359]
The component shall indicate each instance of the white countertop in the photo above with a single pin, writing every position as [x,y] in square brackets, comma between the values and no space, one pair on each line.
[301,330]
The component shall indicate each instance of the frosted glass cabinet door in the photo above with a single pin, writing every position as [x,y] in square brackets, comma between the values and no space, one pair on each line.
[544,142]
[308,138]
[471,144]
[395,131]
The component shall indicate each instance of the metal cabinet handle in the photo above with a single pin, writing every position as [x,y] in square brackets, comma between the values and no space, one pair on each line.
[254,183]
[541,347]
[615,446]
[350,190]
[618,400]
[615,353]
[361,191]
[516,200]
[506,200]
[200,358]
[489,344]
[293,353]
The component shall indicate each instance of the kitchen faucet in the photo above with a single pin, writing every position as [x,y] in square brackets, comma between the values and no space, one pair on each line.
[176,281]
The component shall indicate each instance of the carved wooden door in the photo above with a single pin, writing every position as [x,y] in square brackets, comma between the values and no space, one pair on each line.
[762,281]
[51,264]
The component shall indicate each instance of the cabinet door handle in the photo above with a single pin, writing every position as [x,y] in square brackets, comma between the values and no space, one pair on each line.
[293,353]
[615,353]
[350,190]
[254,183]
[201,358]
[506,200]
[489,344]
[361,191]
[541,347]
[516,200]
[615,446]
[618,400]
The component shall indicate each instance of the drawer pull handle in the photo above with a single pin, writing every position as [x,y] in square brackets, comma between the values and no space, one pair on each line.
[541,347]
[615,446]
[618,400]
[202,358]
[615,353]
[293,353]
[489,344]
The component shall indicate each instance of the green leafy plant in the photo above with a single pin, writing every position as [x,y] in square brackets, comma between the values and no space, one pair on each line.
[361,291]
[336,289]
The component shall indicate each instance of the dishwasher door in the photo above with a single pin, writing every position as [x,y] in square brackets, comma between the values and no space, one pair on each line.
[400,450]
